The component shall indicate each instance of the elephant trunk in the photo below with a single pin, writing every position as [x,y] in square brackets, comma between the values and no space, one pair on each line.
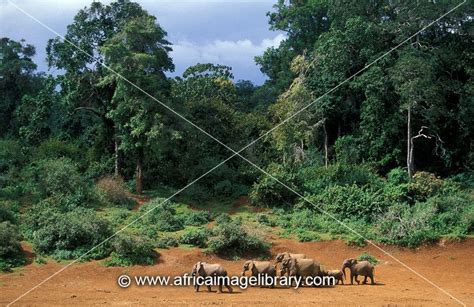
[343,270]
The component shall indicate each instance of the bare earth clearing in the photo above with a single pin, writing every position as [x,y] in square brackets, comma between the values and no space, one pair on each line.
[449,266]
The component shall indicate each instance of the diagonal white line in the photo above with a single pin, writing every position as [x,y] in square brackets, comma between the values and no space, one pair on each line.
[238,152]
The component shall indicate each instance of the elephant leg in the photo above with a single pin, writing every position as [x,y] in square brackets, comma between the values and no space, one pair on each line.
[342,280]
[357,281]
[352,279]
[372,279]
[208,288]
[219,289]
[196,288]
[365,280]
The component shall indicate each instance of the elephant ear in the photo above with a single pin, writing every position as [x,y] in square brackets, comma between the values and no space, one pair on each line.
[251,266]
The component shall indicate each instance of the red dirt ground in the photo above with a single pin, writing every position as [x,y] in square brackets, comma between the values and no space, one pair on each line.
[448,265]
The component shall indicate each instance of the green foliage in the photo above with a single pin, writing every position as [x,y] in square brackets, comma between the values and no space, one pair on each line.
[307,236]
[268,192]
[223,218]
[196,237]
[231,239]
[55,149]
[9,211]
[265,220]
[55,177]
[341,175]
[131,250]
[11,252]
[161,215]
[166,242]
[349,202]
[66,235]
[197,218]
[365,256]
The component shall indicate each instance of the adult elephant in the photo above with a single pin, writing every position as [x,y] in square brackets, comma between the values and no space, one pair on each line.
[301,267]
[285,255]
[210,269]
[362,268]
[259,268]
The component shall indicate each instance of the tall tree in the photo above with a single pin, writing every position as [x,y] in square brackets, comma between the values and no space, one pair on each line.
[81,84]
[17,78]
[139,53]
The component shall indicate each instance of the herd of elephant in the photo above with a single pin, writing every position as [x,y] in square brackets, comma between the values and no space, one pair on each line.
[288,264]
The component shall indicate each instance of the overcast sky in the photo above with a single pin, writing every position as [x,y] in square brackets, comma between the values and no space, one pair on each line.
[230,32]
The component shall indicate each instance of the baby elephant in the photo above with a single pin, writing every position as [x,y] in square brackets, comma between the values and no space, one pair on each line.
[259,268]
[362,268]
[337,274]
[207,269]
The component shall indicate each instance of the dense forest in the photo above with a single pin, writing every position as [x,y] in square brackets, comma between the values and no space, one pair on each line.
[378,137]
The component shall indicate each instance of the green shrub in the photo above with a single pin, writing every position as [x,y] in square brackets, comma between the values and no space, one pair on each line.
[166,242]
[11,253]
[195,237]
[348,150]
[265,220]
[340,175]
[161,214]
[231,240]
[66,235]
[130,250]
[425,185]
[368,257]
[55,149]
[349,202]
[197,218]
[408,225]
[58,176]
[223,218]
[307,236]
[113,190]
[268,192]
[9,211]
[397,176]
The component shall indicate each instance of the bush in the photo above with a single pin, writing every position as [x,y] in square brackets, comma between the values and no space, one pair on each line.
[408,226]
[55,149]
[307,236]
[194,237]
[340,175]
[349,202]
[59,176]
[161,215]
[8,211]
[397,176]
[425,185]
[368,257]
[67,235]
[113,190]
[230,240]
[348,149]
[223,218]
[264,220]
[197,218]
[166,242]
[130,250]
[11,253]
[268,192]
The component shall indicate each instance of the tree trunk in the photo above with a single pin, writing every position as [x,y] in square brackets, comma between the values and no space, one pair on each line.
[325,145]
[116,156]
[139,173]
[410,158]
